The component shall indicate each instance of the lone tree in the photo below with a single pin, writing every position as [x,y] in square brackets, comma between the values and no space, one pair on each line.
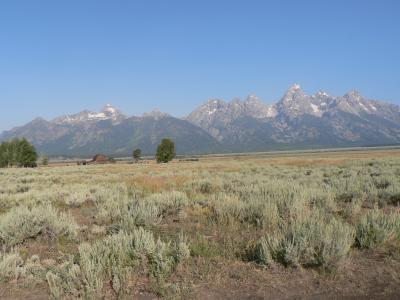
[137,153]
[165,151]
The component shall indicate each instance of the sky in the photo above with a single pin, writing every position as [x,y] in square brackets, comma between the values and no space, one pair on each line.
[61,57]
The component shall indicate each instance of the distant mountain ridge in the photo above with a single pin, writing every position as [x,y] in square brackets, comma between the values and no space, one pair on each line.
[297,120]
[107,113]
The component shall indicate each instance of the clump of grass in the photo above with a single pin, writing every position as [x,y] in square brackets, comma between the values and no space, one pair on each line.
[181,249]
[112,202]
[22,223]
[203,186]
[13,267]
[203,247]
[150,211]
[390,195]
[116,259]
[308,242]
[170,203]
[226,209]
[77,196]
[141,213]
[377,228]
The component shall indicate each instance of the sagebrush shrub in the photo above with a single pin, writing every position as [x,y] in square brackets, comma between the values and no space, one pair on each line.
[140,213]
[169,202]
[13,267]
[308,242]
[22,223]
[114,259]
[377,228]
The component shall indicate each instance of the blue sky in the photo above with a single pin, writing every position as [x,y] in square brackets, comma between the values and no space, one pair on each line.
[61,57]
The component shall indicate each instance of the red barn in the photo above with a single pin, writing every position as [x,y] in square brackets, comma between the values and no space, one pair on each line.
[100,159]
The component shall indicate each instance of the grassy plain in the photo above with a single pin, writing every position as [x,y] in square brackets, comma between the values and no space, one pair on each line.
[248,227]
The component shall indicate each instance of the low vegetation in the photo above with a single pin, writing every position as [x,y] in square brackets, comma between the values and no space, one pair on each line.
[22,223]
[117,230]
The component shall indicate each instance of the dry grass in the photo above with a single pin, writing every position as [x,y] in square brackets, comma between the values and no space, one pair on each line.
[248,214]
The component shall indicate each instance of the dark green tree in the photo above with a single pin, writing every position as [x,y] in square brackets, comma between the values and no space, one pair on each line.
[26,154]
[137,153]
[3,155]
[17,152]
[165,151]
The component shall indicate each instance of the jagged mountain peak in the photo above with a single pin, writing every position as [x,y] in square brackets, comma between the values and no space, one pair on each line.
[211,106]
[294,87]
[353,95]
[353,102]
[220,109]
[321,94]
[215,102]
[241,125]
[295,102]
[252,99]
[293,94]
[109,108]
[108,112]
[112,112]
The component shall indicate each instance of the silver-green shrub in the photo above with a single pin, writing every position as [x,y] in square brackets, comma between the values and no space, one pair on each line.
[114,259]
[311,241]
[377,228]
[13,267]
[22,223]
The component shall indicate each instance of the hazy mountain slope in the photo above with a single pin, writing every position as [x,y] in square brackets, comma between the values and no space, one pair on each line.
[297,120]
[87,137]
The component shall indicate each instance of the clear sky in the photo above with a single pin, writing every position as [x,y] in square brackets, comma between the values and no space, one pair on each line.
[60,57]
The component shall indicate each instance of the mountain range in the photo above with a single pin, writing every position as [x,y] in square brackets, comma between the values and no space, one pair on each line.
[296,121]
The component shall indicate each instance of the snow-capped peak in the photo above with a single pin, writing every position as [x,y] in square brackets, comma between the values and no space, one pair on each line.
[109,112]
[109,108]
[323,94]
[353,95]
[97,116]
[252,98]
[295,87]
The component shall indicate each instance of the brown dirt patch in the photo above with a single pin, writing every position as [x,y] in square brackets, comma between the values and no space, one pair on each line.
[366,275]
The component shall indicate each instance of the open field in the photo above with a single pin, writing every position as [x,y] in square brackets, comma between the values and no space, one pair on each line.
[308,225]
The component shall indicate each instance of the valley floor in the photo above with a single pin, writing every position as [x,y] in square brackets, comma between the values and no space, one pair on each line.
[308,225]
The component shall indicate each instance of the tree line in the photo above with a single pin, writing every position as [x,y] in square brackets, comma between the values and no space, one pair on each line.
[17,153]
[21,153]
